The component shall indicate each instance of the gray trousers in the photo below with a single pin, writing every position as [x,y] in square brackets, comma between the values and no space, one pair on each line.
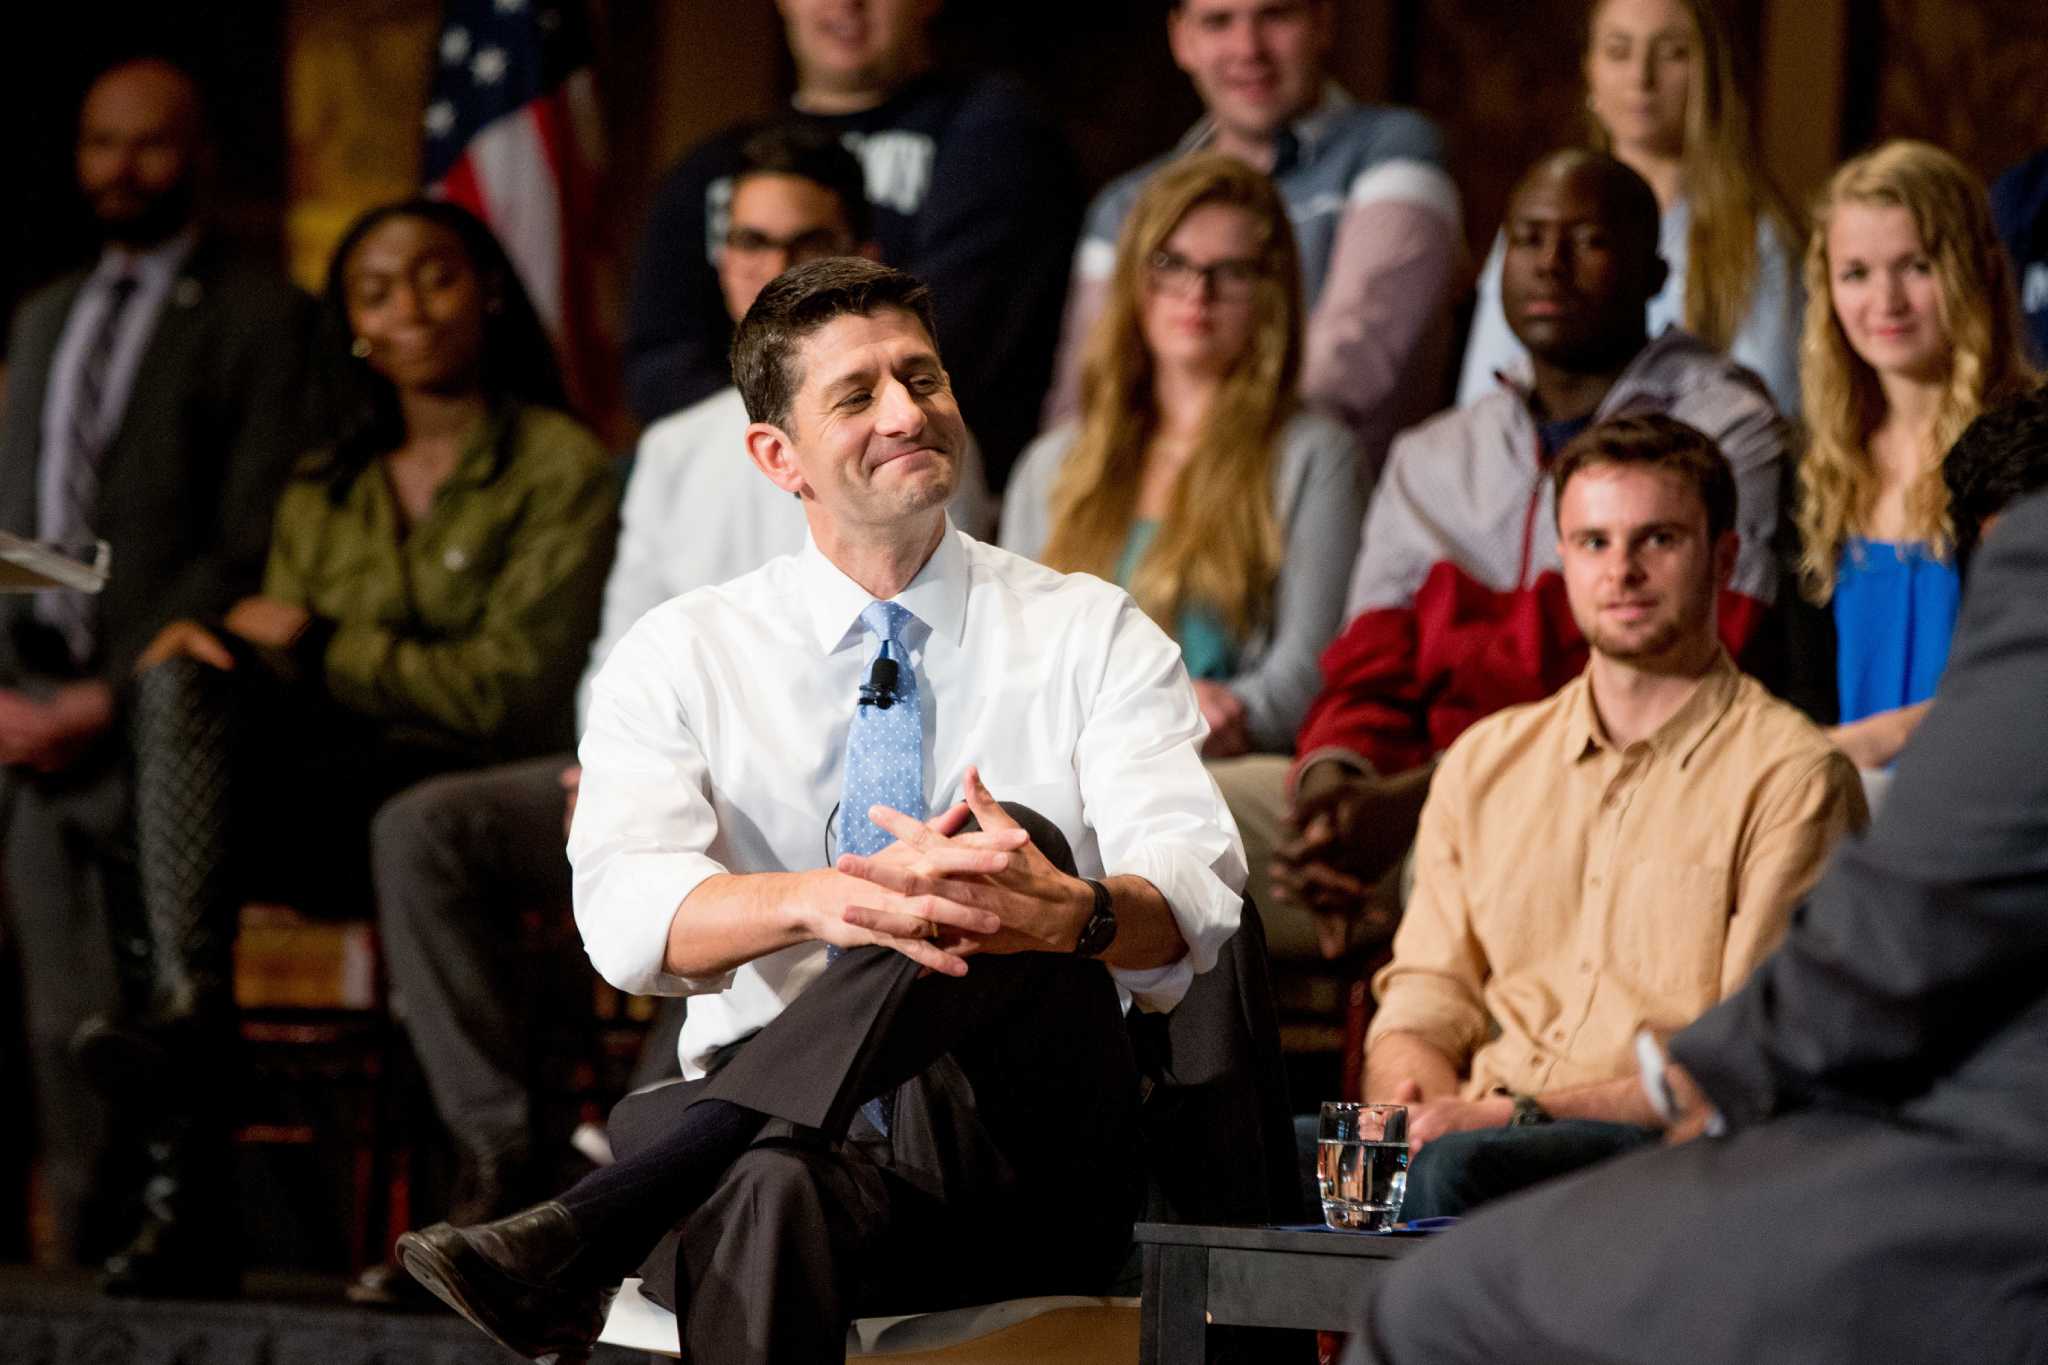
[1824,1238]
[56,906]
[457,860]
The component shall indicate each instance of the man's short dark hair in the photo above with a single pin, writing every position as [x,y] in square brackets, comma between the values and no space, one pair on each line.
[2000,458]
[1654,441]
[797,303]
[1627,202]
[811,153]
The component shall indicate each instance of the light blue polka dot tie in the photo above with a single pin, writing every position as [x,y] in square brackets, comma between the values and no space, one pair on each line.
[885,746]
[884,766]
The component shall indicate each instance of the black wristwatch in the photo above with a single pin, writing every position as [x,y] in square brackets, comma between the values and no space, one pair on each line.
[1529,1112]
[1100,930]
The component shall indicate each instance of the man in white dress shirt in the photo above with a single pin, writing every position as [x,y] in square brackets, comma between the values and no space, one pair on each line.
[459,856]
[910,1084]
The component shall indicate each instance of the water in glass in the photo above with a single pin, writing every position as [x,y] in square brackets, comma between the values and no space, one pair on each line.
[1362,1164]
[1361,1183]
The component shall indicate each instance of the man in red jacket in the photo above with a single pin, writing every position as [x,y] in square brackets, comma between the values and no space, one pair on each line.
[1457,605]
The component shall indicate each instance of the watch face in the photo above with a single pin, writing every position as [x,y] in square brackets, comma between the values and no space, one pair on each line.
[1100,930]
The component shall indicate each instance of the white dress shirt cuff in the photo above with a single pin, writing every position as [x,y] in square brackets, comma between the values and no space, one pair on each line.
[629,948]
[1204,907]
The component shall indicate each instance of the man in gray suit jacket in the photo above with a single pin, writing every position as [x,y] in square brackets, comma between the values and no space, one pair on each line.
[1881,1190]
[154,401]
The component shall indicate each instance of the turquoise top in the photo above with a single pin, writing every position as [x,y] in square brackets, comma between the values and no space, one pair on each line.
[1895,609]
[1205,645]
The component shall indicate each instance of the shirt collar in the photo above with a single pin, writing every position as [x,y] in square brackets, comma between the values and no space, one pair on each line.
[1681,734]
[1309,130]
[937,596]
[154,268]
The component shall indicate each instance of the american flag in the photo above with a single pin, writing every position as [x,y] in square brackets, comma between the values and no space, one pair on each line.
[511,135]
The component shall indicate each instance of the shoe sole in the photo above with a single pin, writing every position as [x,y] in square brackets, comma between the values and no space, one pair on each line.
[439,1277]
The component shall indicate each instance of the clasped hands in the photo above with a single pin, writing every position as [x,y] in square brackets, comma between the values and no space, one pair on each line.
[1350,829]
[262,621]
[939,896]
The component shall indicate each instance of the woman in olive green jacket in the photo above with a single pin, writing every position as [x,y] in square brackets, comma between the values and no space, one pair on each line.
[432,589]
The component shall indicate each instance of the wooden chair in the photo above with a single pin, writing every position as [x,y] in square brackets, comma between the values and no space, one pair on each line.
[319,1042]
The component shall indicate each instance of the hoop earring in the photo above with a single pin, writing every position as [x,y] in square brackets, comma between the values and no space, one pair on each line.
[360,348]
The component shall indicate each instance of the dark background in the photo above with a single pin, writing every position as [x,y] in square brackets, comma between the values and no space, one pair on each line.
[1500,76]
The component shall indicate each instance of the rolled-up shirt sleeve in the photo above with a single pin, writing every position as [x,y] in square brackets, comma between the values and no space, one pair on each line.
[644,827]
[1155,810]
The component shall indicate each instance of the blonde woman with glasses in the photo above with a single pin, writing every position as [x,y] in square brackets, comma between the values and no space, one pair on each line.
[1662,97]
[1194,477]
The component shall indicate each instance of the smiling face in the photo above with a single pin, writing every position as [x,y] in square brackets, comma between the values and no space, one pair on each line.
[873,436]
[1199,304]
[855,47]
[1639,570]
[1256,63]
[415,297]
[1577,272]
[778,221]
[1886,295]
[1639,74]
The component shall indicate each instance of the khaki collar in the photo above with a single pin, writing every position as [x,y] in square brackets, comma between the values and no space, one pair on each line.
[1679,737]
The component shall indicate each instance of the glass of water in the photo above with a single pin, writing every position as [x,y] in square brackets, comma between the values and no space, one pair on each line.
[1362,1164]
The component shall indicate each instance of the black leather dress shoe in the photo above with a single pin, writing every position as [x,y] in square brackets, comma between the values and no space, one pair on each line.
[523,1280]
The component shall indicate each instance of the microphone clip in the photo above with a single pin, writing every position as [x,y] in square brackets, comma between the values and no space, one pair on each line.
[880,689]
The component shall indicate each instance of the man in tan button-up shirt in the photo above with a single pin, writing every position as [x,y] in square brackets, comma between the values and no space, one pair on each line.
[1614,858]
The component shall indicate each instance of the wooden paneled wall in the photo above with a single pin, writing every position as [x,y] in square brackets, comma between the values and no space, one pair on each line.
[1971,76]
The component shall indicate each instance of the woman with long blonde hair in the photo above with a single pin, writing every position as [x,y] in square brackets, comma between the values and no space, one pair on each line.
[1912,329]
[1662,97]
[1194,476]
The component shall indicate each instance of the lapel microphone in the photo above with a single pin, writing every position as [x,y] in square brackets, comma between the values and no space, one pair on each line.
[880,688]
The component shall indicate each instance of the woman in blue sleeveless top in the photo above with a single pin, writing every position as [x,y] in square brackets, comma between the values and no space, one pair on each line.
[1912,329]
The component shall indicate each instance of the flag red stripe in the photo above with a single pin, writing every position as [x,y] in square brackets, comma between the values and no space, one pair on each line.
[460,186]
[580,328]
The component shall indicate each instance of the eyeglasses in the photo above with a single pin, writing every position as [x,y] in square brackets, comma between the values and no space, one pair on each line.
[804,246]
[1172,273]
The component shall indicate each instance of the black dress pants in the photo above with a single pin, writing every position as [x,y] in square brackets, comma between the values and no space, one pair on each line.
[1011,1166]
